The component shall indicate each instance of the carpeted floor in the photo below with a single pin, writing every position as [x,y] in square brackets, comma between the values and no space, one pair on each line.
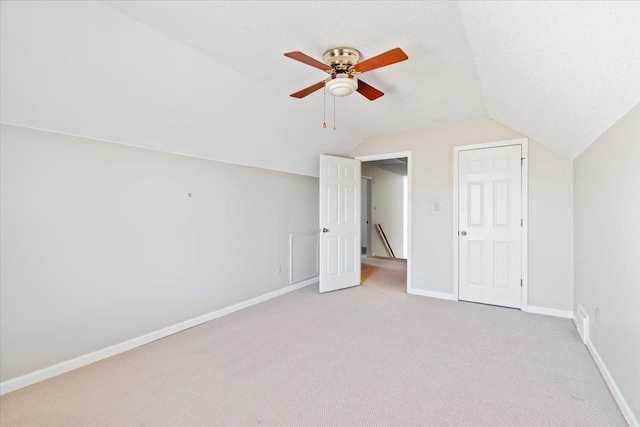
[366,356]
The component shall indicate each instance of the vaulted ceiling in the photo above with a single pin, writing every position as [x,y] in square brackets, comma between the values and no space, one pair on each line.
[209,79]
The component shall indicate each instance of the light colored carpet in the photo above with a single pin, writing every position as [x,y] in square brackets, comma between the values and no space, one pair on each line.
[366,356]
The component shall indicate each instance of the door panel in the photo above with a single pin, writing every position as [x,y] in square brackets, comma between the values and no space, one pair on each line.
[490,232]
[339,223]
[350,204]
[476,204]
[475,252]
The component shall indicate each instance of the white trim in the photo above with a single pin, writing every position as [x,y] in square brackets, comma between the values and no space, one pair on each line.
[524,142]
[397,155]
[456,240]
[525,223]
[432,294]
[69,365]
[613,387]
[566,314]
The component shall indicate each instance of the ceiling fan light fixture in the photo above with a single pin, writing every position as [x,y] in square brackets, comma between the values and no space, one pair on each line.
[341,85]
[343,63]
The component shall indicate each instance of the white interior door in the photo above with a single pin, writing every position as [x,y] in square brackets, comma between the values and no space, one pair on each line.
[490,225]
[339,223]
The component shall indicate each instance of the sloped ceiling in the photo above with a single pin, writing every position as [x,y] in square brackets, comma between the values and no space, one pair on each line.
[209,79]
[559,72]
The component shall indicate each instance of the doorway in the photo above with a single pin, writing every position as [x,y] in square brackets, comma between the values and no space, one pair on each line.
[365,210]
[386,206]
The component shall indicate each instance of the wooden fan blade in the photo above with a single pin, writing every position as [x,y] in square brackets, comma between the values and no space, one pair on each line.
[304,92]
[368,91]
[306,59]
[382,60]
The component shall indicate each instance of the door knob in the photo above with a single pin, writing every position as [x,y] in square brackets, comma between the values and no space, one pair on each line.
[325,230]
[463,233]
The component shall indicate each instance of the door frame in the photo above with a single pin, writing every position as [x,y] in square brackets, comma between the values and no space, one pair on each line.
[524,142]
[386,156]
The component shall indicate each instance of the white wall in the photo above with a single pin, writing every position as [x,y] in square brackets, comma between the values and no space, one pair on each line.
[550,208]
[550,229]
[100,242]
[387,205]
[607,250]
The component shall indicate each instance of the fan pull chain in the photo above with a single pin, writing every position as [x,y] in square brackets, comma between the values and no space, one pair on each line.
[324,108]
[334,113]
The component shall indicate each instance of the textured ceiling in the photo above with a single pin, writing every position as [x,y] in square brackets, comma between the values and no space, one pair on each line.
[209,78]
[559,72]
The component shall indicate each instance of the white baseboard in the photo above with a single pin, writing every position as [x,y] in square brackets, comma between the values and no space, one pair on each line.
[548,311]
[69,365]
[615,391]
[529,308]
[432,294]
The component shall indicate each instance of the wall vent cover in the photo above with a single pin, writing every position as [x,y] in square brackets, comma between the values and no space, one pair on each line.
[581,319]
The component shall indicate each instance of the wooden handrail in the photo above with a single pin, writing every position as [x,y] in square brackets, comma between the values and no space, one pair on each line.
[383,236]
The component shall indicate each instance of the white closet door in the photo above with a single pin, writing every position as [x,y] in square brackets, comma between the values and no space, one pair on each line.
[490,225]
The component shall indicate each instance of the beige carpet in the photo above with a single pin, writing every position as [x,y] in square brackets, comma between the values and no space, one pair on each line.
[367,356]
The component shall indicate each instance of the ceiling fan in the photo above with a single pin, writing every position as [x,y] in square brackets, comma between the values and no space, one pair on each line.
[343,66]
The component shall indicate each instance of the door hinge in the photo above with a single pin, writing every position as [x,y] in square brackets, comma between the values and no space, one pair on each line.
[520,282]
[522,161]
[521,222]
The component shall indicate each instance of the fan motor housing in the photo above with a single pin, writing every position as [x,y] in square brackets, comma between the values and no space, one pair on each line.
[341,58]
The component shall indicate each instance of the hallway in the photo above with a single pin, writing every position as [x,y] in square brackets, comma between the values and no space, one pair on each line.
[386,274]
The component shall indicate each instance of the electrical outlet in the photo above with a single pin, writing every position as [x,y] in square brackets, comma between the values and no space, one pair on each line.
[278,269]
[436,206]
